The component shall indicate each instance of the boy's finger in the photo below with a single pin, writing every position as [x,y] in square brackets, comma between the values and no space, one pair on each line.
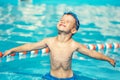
[4,55]
[114,64]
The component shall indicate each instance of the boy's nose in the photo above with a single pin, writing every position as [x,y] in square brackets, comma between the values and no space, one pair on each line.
[62,21]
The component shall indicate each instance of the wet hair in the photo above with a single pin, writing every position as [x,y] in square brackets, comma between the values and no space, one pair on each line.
[75,17]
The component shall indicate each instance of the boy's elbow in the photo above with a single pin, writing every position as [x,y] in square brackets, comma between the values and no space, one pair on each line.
[29,46]
[96,55]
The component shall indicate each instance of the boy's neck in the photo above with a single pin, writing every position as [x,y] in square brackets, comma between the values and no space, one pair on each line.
[62,37]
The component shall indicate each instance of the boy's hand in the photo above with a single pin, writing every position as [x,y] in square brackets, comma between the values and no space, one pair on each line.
[7,52]
[112,62]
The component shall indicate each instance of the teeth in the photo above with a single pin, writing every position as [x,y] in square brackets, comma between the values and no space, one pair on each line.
[62,25]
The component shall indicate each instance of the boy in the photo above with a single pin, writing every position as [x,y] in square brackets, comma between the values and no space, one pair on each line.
[62,48]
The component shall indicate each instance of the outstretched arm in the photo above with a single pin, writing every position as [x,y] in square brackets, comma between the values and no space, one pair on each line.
[27,47]
[94,54]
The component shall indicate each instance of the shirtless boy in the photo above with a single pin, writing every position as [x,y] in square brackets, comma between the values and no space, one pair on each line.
[62,48]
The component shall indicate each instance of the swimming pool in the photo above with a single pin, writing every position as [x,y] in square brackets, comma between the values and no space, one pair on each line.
[31,21]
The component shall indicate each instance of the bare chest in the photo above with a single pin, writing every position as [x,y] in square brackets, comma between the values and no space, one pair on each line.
[61,52]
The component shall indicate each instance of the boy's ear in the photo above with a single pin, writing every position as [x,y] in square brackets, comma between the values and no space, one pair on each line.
[73,30]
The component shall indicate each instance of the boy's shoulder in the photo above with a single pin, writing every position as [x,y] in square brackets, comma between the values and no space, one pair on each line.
[76,43]
[49,39]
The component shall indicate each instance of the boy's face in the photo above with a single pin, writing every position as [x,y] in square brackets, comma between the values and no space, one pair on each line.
[67,24]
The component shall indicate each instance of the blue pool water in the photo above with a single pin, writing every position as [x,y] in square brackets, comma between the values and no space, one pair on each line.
[31,21]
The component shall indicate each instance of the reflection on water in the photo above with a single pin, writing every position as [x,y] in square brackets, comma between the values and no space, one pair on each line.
[29,22]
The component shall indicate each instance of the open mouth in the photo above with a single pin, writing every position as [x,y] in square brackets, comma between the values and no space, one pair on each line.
[62,25]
